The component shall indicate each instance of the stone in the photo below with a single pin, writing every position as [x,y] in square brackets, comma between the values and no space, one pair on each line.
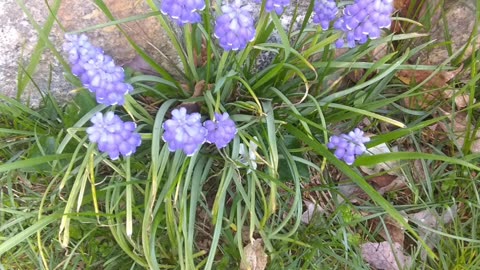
[17,43]
[147,33]
[460,18]
[18,39]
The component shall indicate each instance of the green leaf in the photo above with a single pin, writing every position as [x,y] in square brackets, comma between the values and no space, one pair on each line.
[380,158]
[28,163]
[359,180]
[24,234]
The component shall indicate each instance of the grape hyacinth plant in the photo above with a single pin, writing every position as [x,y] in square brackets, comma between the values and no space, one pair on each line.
[221,131]
[235,27]
[261,91]
[349,146]
[325,11]
[184,132]
[183,11]
[275,5]
[363,20]
[113,136]
[96,70]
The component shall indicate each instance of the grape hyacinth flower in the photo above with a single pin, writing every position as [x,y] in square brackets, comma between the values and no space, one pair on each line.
[113,136]
[325,12]
[362,20]
[235,27]
[184,132]
[96,70]
[221,131]
[349,146]
[183,11]
[277,5]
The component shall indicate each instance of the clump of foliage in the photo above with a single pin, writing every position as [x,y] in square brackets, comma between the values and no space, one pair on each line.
[186,170]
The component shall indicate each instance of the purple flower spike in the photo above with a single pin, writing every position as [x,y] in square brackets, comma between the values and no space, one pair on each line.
[113,136]
[325,12]
[235,27]
[277,5]
[363,20]
[183,11]
[184,132]
[221,131]
[349,146]
[97,71]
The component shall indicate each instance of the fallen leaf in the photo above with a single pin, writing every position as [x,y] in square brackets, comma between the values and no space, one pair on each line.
[434,88]
[397,183]
[380,51]
[356,75]
[431,220]
[351,192]
[388,177]
[313,209]
[461,100]
[419,171]
[459,126]
[199,87]
[355,194]
[200,58]
[255,256]
[401,6]
[385,255]
[391,231]
[382,181]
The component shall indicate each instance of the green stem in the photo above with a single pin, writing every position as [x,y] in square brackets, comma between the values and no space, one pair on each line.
[221,67]
[188,29]
[129,195]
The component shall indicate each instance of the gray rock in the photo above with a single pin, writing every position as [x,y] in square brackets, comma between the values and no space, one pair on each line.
[460,18]
[18,40]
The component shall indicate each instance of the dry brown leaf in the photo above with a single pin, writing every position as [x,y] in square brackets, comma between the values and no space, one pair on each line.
[386,183]
[356,75]
[459,127]
[460,100]
[355,193]
[431,220]
[394,230]
[380,51]
[401,6]
[382,181]
[199,87]
[438,80]
[418,171]
[350,191]
[398,182]
[200,57]
[431,93]
[255,256]
[385,255]
[313,209]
